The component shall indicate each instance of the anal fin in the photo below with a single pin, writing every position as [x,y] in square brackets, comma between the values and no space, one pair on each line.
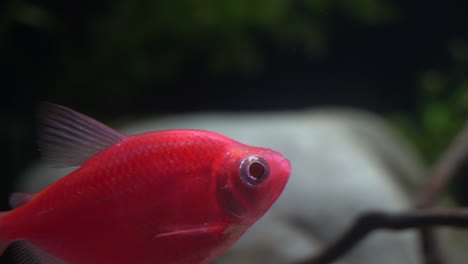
[3,242]
[26,253]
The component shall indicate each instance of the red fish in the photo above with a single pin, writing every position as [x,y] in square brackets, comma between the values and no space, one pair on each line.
[167,197]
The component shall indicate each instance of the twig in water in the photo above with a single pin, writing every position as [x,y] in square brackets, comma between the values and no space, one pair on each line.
[374,220]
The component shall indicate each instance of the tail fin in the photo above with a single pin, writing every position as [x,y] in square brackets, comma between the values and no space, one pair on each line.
[3,242]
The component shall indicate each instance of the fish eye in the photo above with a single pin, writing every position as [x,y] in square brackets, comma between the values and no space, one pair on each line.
[254,170]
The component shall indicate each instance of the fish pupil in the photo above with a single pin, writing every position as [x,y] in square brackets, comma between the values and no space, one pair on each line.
[256,170]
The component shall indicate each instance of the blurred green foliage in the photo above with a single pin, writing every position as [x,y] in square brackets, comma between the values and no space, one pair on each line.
[128,44]
[443,106]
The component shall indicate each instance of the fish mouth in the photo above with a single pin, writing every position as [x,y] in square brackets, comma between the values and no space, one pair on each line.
[285,169]
[285,165]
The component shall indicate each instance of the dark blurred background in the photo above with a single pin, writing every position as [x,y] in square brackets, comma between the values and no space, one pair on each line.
[405,60]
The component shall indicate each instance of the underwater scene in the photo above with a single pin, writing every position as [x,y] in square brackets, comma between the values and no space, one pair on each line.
[235,131]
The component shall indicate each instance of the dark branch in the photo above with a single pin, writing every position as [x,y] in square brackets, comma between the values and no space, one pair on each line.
[439,177]
[381,220]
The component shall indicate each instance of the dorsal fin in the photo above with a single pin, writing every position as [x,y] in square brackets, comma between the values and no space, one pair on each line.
[68,138]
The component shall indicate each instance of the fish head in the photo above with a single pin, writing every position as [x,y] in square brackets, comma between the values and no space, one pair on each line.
[252,180]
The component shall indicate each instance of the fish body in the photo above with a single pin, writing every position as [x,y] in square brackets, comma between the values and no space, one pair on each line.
[174,196]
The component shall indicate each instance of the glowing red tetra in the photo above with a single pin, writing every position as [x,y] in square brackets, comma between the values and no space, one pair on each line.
[174,196]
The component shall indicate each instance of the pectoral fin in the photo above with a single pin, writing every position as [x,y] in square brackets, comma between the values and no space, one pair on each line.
[216,228]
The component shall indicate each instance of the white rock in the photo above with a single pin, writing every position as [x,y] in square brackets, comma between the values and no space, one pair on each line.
[345,162]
